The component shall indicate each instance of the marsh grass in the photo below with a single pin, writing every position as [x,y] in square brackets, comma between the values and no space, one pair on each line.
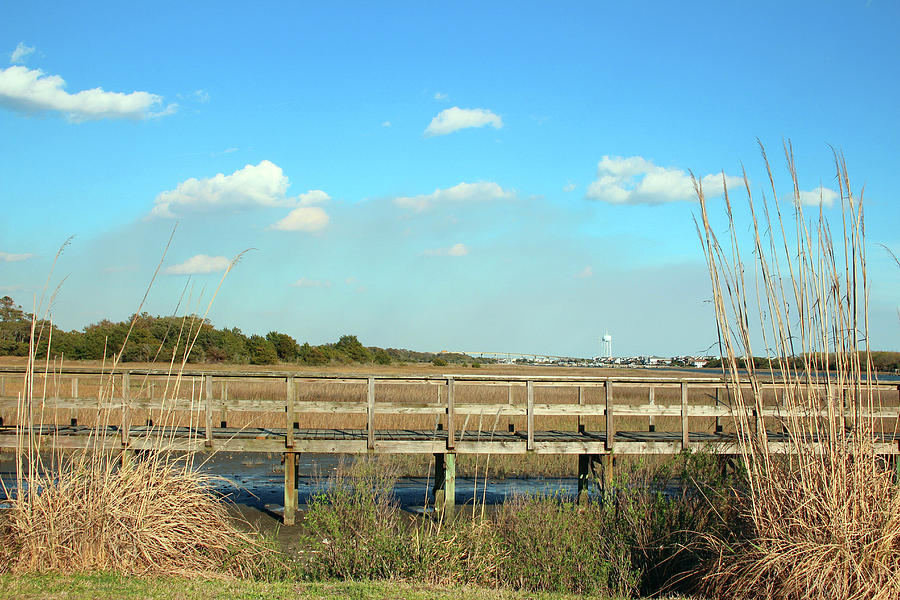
[642,538]
[823,519]
[108,508]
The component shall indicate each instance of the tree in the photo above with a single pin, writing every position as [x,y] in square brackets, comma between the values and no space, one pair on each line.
[350,347]
[312,355]
[287,347]
[262,351]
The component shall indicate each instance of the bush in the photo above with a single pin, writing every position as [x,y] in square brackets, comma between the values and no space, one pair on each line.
[439,362]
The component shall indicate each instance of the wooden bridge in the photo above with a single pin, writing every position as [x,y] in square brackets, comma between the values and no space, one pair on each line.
[593,418]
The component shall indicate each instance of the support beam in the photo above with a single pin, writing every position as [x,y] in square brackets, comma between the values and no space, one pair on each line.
[608,474]
[652,401]
[290,488]
[449,484]
[585,467]
[439,477]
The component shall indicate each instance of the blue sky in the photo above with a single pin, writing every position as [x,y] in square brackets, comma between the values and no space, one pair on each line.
[465,176]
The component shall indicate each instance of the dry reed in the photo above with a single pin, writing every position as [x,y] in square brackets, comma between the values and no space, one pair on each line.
[108,508]
[821,504]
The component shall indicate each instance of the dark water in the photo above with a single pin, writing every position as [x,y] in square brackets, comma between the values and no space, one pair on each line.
[257,480]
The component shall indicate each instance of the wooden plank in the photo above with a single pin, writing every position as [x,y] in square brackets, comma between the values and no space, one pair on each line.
[685,438]
[370,413]
[530,393]
[652,402]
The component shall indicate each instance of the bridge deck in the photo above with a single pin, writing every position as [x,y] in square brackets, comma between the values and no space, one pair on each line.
[355,441]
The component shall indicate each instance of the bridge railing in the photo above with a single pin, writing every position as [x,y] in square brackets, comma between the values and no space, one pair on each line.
[194,391]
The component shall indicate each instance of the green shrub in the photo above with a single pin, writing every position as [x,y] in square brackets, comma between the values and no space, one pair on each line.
[439,362]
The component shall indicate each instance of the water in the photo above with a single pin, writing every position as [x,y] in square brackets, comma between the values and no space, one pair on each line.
[257,480]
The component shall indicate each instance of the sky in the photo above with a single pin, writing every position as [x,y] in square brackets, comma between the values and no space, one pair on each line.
[482,177]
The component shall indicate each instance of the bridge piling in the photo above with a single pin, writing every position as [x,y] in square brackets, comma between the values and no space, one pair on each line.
[290,488]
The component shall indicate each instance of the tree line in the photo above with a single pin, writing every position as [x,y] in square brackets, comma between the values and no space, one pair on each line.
[882,361]
[155,338]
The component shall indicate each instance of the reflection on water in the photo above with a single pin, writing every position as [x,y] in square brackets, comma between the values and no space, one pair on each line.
[257,479]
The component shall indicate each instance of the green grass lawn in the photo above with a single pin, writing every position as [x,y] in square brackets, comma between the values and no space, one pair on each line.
[102,587]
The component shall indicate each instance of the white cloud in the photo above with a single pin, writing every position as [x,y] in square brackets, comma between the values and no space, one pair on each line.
[261,185]
[201,96]
[636,180]
[311,283]
[386,124]
[482,191]
[313,197]
[303,218]
[31,91]
[199,265]
[440,96]
[585,273]
[454,119]
[7,257]
[569,187]
[21,53]
[818,195]
[454,250]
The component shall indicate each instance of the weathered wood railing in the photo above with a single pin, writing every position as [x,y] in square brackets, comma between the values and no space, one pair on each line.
[194,392]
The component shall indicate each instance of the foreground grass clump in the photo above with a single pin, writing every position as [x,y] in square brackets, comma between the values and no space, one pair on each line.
[634,540]
[104,586]
[154,514]
[821,509]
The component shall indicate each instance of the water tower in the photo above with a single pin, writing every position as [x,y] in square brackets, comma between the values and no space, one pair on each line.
[607,345]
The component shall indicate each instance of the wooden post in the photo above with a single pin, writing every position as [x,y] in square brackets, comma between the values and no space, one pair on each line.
[370,414]
[223,421]
[451,428]
[439,476]
[608,474]
[73,421]
[289,416]
[580,403]
[652,403]
[207,395]
[529,386]
[290,487]
[2,385]
[610,423]
[510,426]
[584,473]
[449,484]
[685,438]
[126,415]
[718,419]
